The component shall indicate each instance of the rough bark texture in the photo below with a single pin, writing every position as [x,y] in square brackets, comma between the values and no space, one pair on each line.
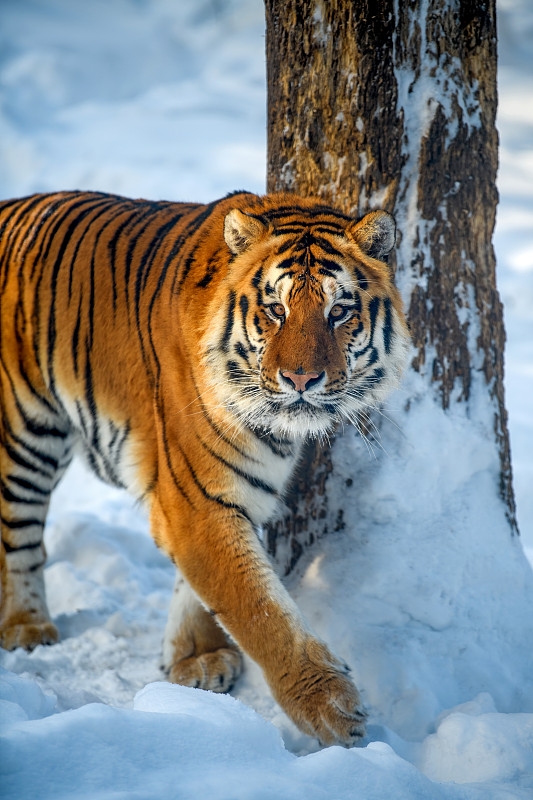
[392,105]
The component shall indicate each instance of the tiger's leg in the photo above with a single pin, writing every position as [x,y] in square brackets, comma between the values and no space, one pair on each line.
[32,459]
[219,554]
[196,651]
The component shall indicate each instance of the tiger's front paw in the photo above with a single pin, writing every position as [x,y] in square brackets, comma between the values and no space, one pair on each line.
[216,671]
[28,635]
[316,692]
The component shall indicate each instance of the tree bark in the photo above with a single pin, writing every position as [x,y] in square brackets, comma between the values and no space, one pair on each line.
[392,105]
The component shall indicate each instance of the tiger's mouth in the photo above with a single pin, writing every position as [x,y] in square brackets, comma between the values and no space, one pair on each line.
[301,416]
[300,407]
[299,403]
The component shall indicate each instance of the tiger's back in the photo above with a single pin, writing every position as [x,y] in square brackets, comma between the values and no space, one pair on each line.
[75,272]
[189,349]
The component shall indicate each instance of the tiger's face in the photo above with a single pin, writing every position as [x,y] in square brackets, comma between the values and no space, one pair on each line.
[313,331]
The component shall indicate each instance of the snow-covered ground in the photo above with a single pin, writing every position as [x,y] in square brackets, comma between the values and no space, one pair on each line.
[165,99]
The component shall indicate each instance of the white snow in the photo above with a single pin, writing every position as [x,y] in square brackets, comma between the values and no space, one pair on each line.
[166,100]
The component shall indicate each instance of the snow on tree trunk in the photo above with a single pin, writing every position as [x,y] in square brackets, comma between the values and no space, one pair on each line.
[422,588]
[392,105]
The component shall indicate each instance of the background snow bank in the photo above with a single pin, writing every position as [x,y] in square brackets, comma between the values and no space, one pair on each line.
[166,99]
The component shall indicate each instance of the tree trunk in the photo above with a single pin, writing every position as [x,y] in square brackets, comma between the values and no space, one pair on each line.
[392,105]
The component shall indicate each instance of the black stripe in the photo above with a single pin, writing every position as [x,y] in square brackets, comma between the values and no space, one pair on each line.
[312,212]
[257,483]
[39,430]
[110,474]
[187,233]
[17,524]
[289,231]
[326,245]
[20,209]
[82,421]
[31,425]
[134,238]
[103,205]
[42,457]
[280,447]
[131,219]
[210,271]
[327,263]
[146,259]
[241,351]
[257,278]
[244,305]
[287,263]
[236,372]
[38,226]
[178,244]
[288,274]
[330,227]
[27,485]
[387,325]
[213,497]
[114,437]
[140,284]
[119,444]
[257,324]
[49,224]
[37,395]
[284,247]
[92,271]
[361,279]
[17,458]
[215,427]
[373,308]
[76,338]
[230,319]
[11,497]
[371,380]
[373,358]
[65,241]
[165,439]
[33,391]
[9,548]
[89,388]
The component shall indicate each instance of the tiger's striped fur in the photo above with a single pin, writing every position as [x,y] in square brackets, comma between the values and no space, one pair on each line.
[187,351]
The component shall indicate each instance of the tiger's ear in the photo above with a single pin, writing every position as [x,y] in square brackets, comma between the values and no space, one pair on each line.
[240,230]
[375,234]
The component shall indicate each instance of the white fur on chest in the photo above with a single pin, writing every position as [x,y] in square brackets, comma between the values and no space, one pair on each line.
[270,469]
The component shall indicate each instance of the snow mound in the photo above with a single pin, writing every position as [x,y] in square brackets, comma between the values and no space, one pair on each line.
[187,743]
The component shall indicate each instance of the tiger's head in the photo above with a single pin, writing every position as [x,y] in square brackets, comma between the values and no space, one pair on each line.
[311,329]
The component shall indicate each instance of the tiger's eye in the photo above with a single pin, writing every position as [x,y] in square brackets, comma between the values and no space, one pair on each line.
[278,310]
[337,312]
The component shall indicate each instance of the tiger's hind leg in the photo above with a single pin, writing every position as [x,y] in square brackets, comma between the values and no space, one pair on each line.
[32,459]
[196,651]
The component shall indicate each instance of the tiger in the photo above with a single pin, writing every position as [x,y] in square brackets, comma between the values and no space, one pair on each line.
[187,352]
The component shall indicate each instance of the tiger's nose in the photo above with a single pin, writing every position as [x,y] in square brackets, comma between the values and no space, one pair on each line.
[300,381]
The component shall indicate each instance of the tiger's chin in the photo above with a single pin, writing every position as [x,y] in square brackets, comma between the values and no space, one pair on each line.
[294,421]
[302,421]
